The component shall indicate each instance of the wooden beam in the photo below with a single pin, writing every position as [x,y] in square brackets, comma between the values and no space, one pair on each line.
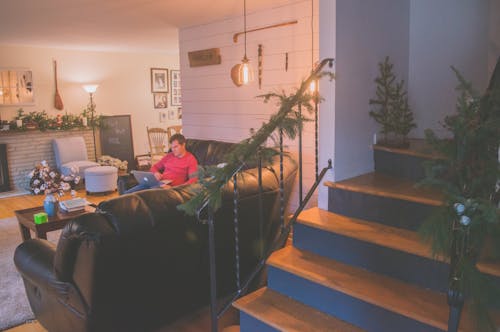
[235,36]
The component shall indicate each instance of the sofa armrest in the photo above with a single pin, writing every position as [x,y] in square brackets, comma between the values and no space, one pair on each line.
[34,261]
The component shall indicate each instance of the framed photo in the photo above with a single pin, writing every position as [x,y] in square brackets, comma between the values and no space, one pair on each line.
[179,113]
[160,100]
[16,87]
[175,87]
[159,80]
[163,116]
[171,114]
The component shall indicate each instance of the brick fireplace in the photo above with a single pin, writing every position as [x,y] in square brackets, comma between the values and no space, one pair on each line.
[26,149]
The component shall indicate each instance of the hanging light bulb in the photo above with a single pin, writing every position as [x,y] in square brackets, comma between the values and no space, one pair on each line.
[312,87]
[245,72]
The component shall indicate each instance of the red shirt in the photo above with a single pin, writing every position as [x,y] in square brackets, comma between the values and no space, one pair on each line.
[179,170]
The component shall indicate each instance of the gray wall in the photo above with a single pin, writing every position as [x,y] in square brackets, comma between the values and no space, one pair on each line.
[444,33]
[366,32]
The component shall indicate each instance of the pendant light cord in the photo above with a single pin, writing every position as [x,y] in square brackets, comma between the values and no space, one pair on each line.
[245,24]
[312,34]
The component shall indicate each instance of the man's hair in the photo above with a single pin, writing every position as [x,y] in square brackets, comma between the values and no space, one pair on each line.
[177,137]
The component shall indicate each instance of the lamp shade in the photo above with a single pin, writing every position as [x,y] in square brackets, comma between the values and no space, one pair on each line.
[245,72]
[90,88]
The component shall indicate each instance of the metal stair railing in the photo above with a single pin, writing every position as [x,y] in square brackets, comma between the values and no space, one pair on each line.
[285,229]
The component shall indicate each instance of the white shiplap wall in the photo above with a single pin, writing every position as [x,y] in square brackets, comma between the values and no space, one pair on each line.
[214,108]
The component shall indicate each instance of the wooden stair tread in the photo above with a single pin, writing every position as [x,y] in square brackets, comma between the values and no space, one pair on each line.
[388,186]
[418,148]
[379,234]
[285,314]
[372,232]
[408,300]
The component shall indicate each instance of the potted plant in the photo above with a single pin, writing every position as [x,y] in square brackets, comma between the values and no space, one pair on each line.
[391,109]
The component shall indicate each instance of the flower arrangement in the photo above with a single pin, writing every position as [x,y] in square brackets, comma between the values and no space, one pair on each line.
[44,180]
[106,160]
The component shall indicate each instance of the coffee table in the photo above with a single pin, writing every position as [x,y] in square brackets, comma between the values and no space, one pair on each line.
[27,223]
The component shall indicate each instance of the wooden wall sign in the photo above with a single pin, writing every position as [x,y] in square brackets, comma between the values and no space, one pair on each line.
[204,57]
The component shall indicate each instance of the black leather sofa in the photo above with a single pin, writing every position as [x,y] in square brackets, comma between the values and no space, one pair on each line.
[139,263]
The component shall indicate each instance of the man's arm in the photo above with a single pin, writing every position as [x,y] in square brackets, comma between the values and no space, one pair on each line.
[192,170]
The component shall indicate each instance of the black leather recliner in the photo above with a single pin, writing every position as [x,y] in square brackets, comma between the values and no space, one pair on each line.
[139,262]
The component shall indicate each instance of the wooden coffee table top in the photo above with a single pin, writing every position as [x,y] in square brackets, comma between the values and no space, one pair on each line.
[26,221]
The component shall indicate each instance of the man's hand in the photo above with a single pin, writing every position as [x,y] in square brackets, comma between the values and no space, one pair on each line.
[158,176]
[165,186]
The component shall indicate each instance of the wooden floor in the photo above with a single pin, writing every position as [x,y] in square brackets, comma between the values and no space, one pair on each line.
[196,322]
[10,204]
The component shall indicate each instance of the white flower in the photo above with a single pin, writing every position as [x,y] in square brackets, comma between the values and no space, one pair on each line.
[221,165]
[31,174]
[36,190]
[44,163]
[464,220]
[52,174]
[36,182]
[77,179]
[459,208]
[43,186]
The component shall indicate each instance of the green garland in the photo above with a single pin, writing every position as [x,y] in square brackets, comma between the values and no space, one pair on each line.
[43,121]
[469,176]
[213,179]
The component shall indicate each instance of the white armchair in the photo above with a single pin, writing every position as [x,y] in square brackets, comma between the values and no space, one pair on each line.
[71,152]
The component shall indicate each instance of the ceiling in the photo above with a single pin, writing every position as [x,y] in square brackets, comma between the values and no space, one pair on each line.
[113,25]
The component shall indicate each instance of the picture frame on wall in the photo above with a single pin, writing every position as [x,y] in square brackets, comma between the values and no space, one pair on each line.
[171,114]
[175,87]
[159,80]
[16,87]
[160,100]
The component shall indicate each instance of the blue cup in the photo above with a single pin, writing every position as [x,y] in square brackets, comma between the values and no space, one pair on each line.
[50,205]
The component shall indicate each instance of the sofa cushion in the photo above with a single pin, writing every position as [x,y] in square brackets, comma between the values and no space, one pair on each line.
[79,167]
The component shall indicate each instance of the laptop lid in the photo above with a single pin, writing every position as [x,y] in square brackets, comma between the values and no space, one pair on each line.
[147,178]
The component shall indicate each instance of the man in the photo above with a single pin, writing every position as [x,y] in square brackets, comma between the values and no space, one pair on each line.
[178,166]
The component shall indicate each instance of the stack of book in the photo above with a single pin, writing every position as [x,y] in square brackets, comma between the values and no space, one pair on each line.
[72,205]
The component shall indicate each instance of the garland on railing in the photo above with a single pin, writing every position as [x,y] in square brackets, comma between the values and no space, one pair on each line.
[213,179]
[469,176]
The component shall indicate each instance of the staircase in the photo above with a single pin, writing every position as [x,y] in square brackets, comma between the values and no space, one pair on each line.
[361,266]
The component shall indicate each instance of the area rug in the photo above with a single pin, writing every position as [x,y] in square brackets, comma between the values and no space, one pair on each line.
[14,308]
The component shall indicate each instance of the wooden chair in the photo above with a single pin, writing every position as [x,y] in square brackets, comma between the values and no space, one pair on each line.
[173,130]
[157,138]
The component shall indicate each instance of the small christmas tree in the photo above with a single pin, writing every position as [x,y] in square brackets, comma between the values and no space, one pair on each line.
[391,109]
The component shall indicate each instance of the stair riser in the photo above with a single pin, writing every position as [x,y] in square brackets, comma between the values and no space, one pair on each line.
[384,210]
[400,165]
[397,264]
[251,324]
[365,315]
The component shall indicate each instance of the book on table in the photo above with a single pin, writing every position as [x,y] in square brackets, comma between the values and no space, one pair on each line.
[74,204]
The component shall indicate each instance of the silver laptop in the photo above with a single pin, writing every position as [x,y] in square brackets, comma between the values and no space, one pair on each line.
[149,179]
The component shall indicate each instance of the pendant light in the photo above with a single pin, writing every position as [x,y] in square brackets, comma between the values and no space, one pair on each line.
[245,72]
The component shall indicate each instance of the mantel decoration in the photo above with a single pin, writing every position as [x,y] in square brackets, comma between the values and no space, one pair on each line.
[391,110]
[44,180]
[468,224]
[42,121]
[288,120]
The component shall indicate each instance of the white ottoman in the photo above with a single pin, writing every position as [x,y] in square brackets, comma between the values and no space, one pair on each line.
[101,179]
